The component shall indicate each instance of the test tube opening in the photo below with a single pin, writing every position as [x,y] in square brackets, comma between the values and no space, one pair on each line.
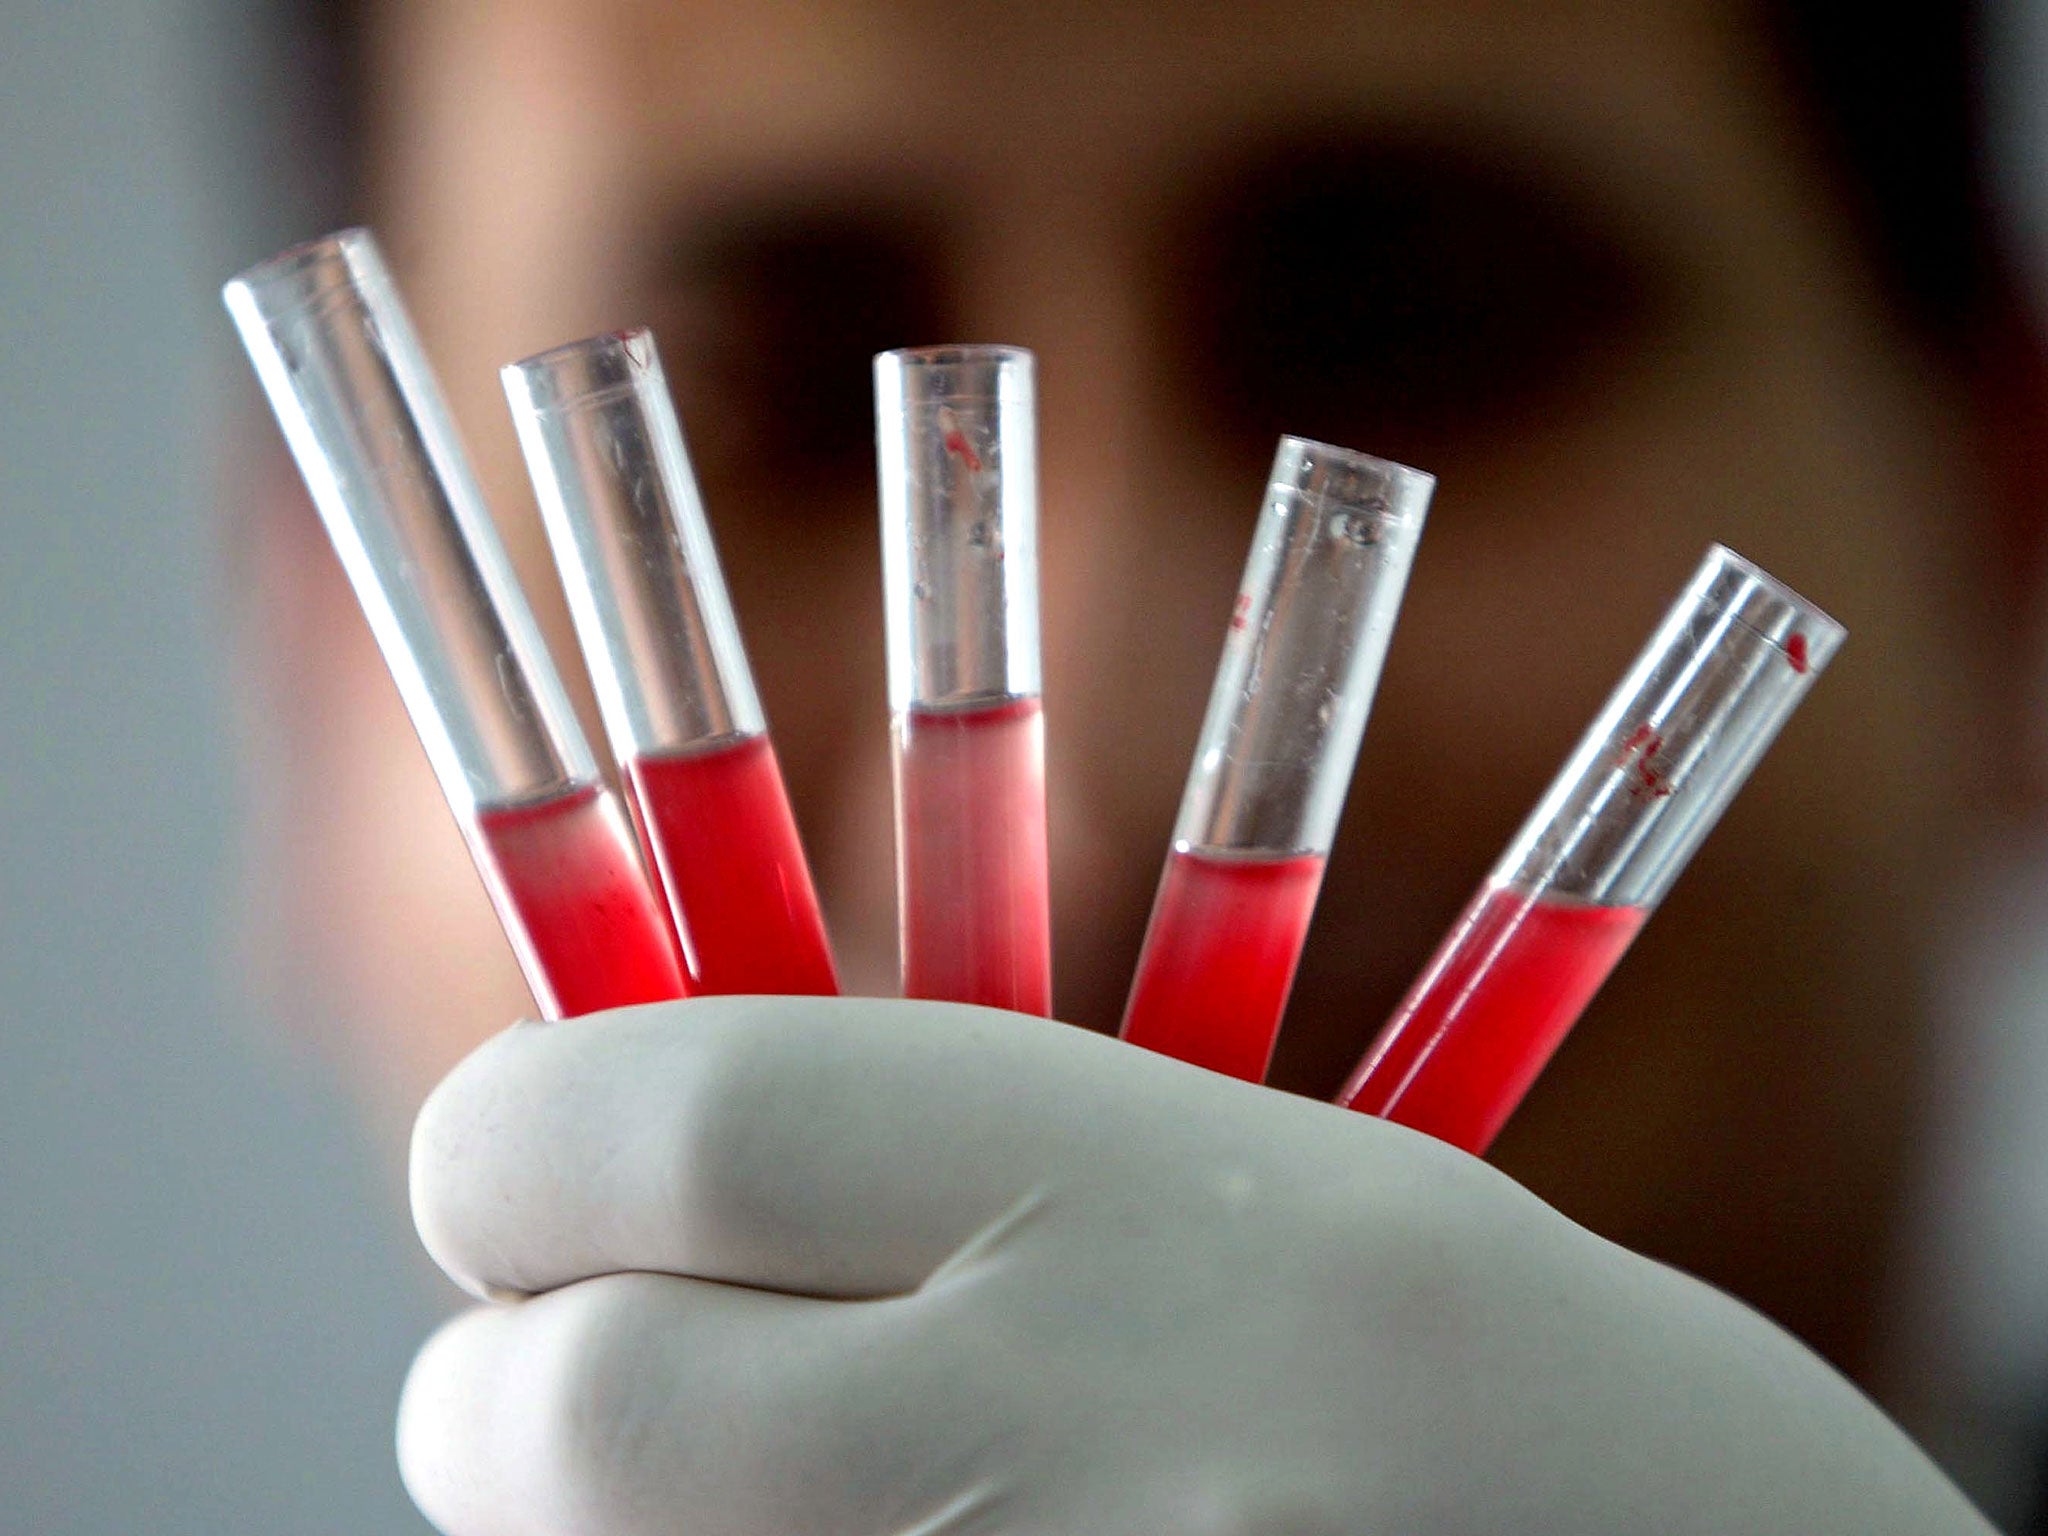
[1804,633]
[302,275]
[584,373]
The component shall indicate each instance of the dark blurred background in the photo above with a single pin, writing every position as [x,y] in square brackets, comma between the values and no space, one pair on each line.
[1627,277]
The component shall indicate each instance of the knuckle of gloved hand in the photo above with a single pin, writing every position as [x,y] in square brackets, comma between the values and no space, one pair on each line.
[744,1128]
[473,1159]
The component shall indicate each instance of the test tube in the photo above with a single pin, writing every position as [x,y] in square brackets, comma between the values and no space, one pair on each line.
[1633,803]
[622,511]
[338,357]
[1301,659]
[956,444]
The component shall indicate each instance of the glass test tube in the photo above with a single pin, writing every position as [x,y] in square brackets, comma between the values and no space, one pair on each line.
[1301,660]
[629,534]
[345,374]
[1652,775]
[956,442]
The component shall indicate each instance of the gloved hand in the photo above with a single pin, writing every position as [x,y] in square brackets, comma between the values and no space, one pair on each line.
[798,1266]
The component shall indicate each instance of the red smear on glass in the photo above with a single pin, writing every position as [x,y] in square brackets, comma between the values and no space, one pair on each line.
[1219,958]
[569,889]
[718,830]
[1643,745]
[1795,651]
[956,441]
[971,871]
[1495,1003]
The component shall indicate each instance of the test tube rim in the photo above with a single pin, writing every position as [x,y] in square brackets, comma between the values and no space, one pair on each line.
[337,249]
[993,354]
[1818,622]
[632,347]
[1319,451]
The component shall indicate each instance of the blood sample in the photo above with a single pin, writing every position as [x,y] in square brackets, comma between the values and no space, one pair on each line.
[1495,1003]
[955,440]
[971,792]
[1219,957]
[1652,775]
[719,827]
[345,374]
[650,606]
[565,866]
[1307,636]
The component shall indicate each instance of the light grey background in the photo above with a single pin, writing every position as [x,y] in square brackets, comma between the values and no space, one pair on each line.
[208,1291]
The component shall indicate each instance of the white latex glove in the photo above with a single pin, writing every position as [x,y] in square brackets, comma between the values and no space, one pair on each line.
[876,1268]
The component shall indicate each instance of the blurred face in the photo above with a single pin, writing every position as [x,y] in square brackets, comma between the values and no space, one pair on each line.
[1557,256]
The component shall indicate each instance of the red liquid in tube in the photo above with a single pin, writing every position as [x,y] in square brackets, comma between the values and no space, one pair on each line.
[566,881]
[1219,958]
[719,832]
[1485,1018]
[972,871]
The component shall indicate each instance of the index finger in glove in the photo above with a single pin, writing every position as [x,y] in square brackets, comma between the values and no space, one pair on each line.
[828,1147]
